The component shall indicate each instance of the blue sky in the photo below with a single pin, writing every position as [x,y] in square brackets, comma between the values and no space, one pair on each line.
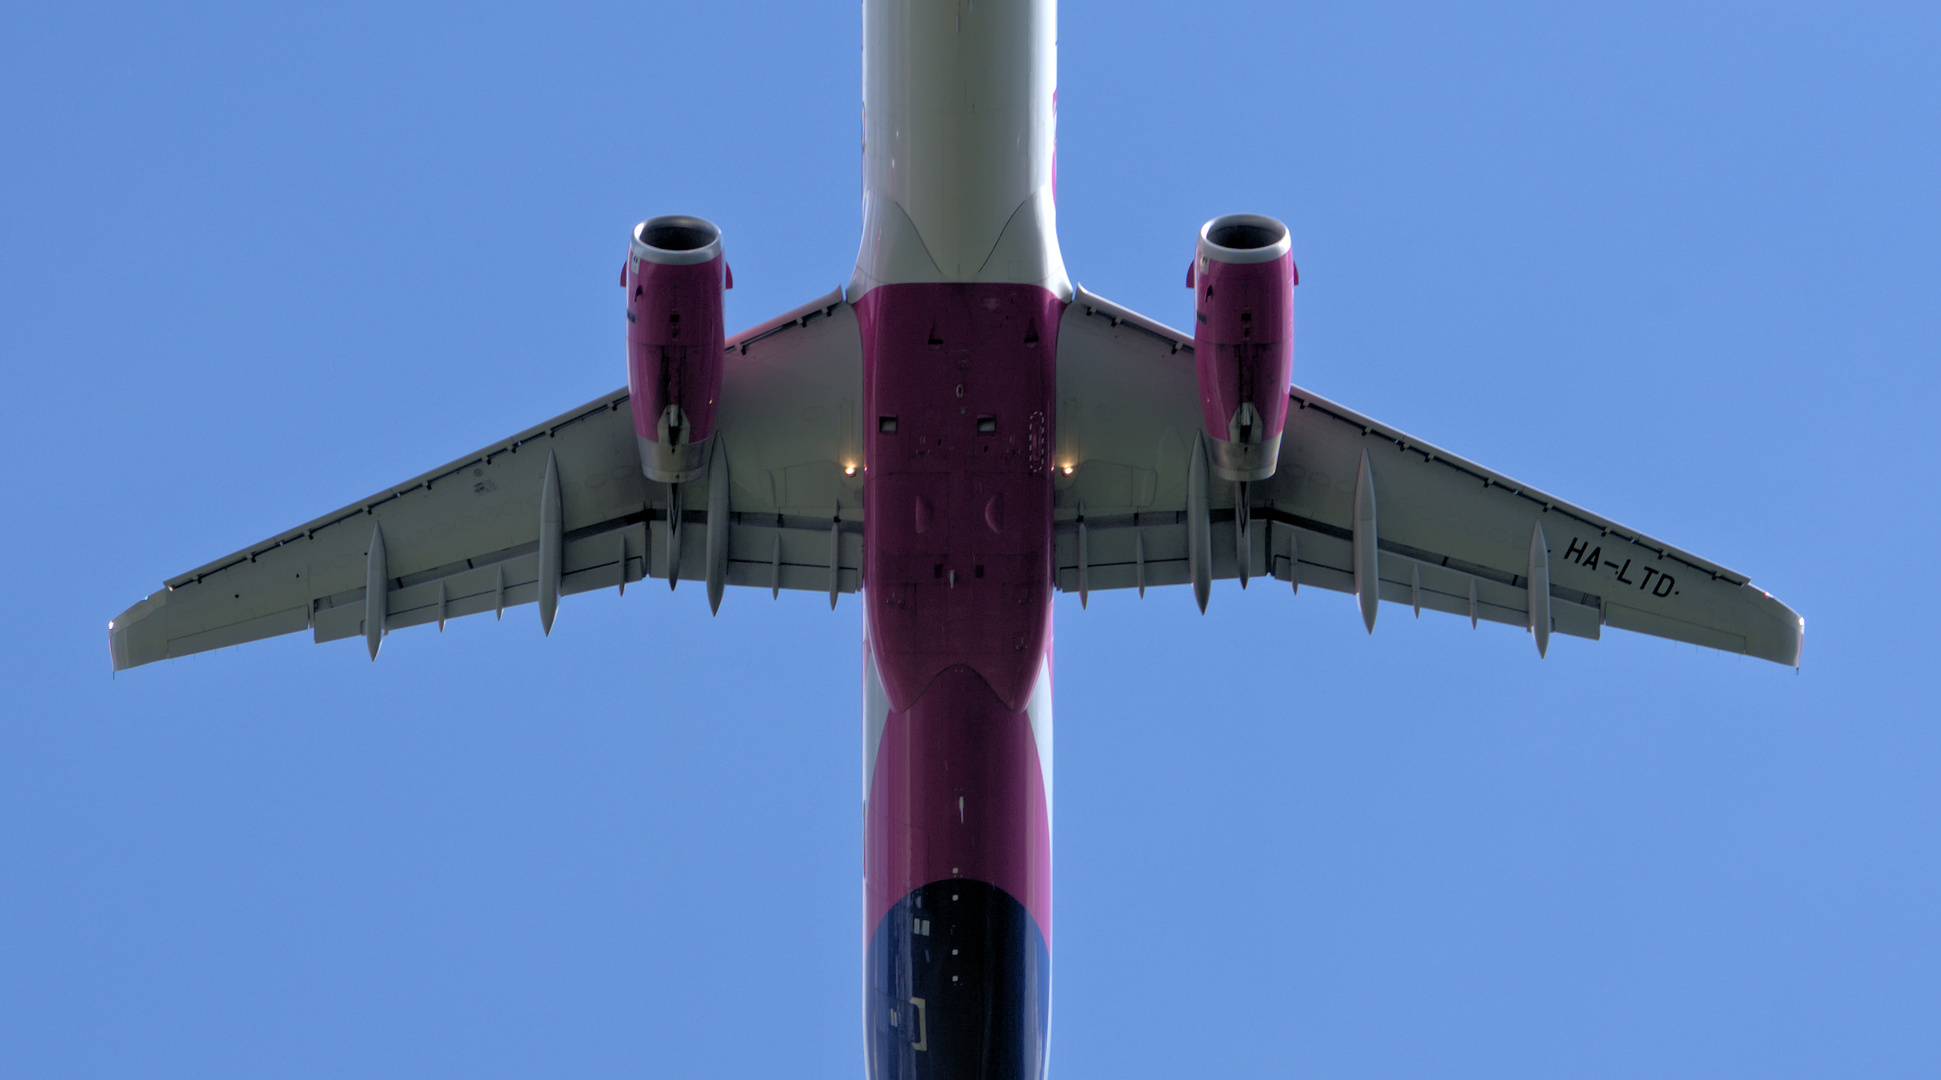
[1674,262]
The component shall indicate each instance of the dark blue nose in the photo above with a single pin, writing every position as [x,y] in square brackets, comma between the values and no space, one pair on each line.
[959,987]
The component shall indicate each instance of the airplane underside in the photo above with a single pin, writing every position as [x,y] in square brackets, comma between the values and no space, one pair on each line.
[962,430]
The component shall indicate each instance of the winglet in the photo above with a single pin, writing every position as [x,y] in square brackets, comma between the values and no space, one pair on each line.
[140,634]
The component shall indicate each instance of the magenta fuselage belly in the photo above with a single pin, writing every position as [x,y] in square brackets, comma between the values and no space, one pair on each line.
[959,379]
[959,382]
[958,291]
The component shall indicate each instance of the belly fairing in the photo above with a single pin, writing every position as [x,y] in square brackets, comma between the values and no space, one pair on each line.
[958,386]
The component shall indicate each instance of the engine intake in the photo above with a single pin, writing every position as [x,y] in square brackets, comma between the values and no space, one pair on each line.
[1243,279]
[675,277]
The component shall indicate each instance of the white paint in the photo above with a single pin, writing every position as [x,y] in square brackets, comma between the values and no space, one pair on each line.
[876,713]
[1037,709]
[959,138]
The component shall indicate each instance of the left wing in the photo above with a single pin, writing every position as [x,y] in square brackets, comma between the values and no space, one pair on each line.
[1355,506]
[562,508]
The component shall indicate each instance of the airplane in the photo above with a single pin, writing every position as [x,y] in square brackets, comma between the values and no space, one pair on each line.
[955,434]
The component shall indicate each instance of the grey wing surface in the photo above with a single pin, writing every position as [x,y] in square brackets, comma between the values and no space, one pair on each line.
[781,508]
[1355,506]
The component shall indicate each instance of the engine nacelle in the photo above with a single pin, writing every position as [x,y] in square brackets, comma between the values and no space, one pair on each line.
[1243,280]
[676,274]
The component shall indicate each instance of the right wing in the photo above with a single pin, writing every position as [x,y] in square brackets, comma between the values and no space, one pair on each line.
[1136,507]
[493,529]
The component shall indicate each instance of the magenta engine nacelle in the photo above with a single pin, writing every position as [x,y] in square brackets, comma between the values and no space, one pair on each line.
[676,334]
[1243,280]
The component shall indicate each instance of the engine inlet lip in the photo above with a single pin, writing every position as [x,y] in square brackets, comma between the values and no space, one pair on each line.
[677,240]
[1245,238]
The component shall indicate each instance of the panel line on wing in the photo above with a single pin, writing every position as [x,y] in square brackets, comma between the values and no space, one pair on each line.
[425,481]
[1488,479]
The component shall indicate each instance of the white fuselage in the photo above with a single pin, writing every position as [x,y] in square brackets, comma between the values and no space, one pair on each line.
[960,150]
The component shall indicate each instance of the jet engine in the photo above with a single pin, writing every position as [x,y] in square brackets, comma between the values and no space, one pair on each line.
[1243,279]
[675,277]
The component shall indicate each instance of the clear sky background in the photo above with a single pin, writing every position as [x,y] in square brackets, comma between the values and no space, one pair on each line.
[1675,262]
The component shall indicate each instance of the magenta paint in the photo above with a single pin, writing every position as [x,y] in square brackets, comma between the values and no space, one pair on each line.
[958,528]
[1243,340]
[958,742]
[676,334]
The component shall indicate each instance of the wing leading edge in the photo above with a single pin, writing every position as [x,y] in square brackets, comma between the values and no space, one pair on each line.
[488,532]
[1355,506]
